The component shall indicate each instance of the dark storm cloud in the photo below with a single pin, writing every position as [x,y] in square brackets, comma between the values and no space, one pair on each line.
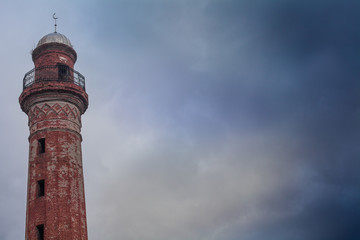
[315,43]
[303,84]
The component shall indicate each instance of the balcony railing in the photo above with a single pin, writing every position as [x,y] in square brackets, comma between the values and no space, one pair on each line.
[60,73]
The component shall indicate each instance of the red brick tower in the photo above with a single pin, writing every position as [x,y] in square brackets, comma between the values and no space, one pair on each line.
[54,99]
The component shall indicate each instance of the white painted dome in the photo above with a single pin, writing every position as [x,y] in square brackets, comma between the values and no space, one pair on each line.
[54,38]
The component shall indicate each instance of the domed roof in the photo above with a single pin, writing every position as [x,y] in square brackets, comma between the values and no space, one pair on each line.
[54,38]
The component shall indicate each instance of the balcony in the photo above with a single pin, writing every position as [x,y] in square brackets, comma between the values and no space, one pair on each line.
[59,73]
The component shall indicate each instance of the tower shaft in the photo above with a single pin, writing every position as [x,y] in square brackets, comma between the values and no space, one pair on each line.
[54,99]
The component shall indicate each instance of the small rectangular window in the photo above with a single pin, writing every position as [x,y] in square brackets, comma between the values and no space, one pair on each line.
[41,188]
[64,72]
[41,145]
[40,232]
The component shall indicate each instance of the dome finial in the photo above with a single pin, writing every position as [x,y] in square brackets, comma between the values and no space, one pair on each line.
[55,20]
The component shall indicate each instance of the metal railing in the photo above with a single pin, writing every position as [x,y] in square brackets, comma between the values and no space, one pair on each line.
[60,73]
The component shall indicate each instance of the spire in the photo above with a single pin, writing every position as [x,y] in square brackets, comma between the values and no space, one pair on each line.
[55,20]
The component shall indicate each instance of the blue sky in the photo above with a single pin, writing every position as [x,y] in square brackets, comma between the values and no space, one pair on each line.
[208,119]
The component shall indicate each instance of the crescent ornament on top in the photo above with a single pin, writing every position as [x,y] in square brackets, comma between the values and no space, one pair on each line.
[55,20]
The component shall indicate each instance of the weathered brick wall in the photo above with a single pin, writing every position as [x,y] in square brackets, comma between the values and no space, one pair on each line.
[51,54]
[54,57]
[62,208]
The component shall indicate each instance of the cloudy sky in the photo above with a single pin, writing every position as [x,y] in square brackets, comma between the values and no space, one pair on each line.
[208,119]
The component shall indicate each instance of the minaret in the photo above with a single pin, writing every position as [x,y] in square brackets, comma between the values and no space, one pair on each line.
[54,99]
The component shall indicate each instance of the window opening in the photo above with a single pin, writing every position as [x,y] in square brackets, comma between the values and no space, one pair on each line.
[63,71]
[41,145]
[41,188]
[40,232]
